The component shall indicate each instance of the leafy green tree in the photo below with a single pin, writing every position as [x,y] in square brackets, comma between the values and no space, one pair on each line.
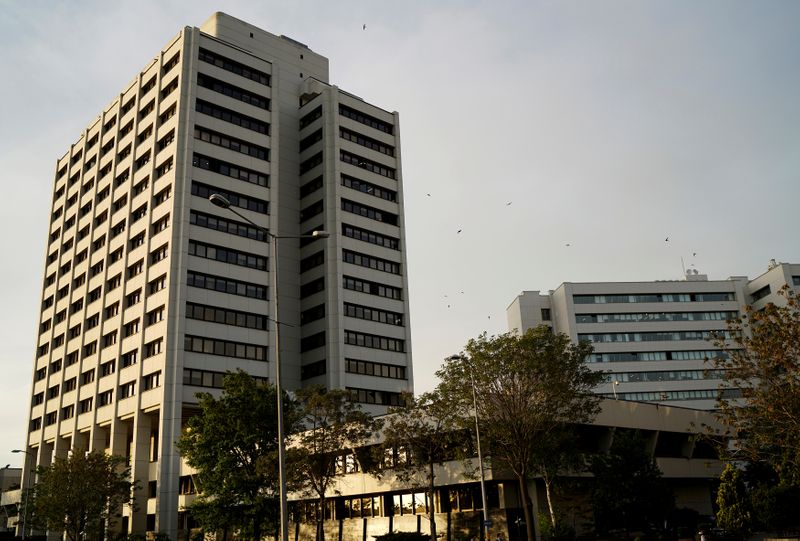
[426,433]
[628,491]
[529,389]
[232,442]
[763,361]
[734,512]
[81,494]
[331,425]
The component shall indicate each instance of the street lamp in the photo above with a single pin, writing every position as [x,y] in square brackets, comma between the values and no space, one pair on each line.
[614,388]
[27,489]
[486,521]
[222,202]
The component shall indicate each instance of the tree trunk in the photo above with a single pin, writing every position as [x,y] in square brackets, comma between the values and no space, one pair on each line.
[548,483]
[256,528]
[431,514]
[321,519]
[527,507]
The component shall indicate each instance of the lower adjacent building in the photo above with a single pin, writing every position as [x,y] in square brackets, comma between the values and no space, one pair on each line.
[654,339]
[362,506]
[10,498]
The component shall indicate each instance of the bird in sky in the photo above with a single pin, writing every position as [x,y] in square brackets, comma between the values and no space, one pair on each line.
[459,231]
[364,27]
[428,195]
[568,244]
[666,239]
[694,254]
[507,204]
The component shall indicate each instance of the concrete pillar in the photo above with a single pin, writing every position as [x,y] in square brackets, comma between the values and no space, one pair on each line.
[120,433]
[140,469]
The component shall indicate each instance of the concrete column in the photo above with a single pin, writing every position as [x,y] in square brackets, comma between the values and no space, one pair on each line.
[140,469]
[120,432]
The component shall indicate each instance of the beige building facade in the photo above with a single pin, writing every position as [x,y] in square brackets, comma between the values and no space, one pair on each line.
[362,506]
[654,339]
[151,293]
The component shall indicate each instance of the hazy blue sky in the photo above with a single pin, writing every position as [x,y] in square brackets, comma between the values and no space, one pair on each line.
[608,125]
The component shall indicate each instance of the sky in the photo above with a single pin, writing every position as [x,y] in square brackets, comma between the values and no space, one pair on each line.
[566,140]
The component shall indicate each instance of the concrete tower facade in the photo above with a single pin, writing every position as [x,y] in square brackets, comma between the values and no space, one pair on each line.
[654,339]
[151,293]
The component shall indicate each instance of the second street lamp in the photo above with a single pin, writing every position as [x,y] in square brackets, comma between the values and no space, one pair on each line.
[26,492]
[222,202]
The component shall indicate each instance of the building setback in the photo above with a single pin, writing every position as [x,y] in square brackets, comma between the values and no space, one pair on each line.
[653,338]
[151,293]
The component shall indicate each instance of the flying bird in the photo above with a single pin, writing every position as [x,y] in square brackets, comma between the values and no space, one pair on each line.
[568,244]
[694,254]
[428,195]
[666,239]
[459,231]
[364,27]
[507,204]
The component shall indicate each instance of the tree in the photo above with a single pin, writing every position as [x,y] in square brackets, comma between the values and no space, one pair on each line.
[628,491]
[232,442]
[763,361]
[529,388]
[331,424]
[426,433]
[734,511]
[81,494]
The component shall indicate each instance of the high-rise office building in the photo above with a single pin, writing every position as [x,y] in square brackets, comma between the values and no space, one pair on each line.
[654,339]
[151,293]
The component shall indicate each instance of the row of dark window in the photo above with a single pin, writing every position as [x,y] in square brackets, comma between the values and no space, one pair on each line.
[230,170]
[368,142]
[374,341]
[365,119]
[236,199]
[368,188]
[662,336]
[637,356]
[373,314]
[227,255]
[226,285]
[370,236]
[310,163]
[235,118]
[226,348]
[364,163]
[369,368]
[225,316]
[310,139]
[653,297]
[311,186]
[369,212]
[371,396]
[312,370]
[375,263]
[233,227]
[310,117]
[208,378]
[232,143]
[372,288]
[234,67]
[227,89]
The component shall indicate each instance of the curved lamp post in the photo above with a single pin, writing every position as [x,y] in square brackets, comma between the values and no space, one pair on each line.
[26,491]
[222,202]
